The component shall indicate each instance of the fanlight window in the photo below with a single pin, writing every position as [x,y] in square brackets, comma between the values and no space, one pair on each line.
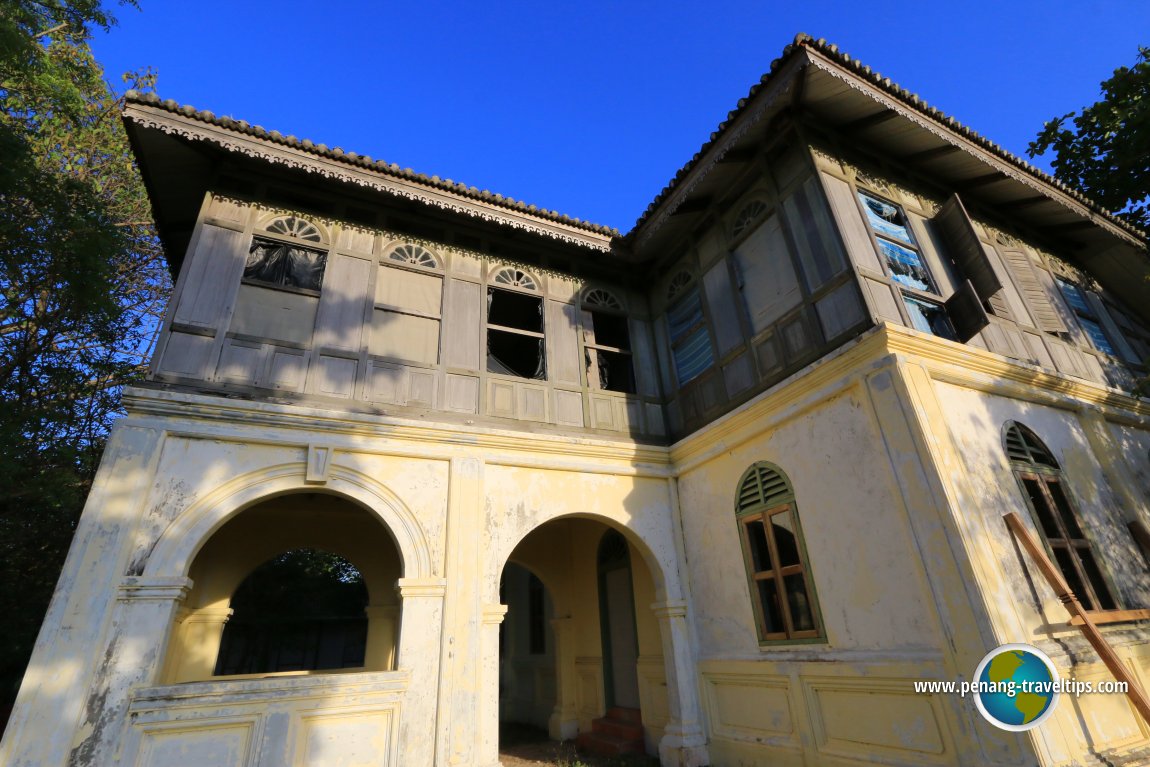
[600,297]
[678,283]
[293,226]
[750,213]
[515,278]
[415,255]
[781,591]
[1040,478]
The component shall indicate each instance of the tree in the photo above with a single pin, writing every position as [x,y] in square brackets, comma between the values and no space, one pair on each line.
[1107,152]
[82,284]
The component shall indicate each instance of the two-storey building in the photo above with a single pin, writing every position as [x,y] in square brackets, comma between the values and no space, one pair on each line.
[415,458]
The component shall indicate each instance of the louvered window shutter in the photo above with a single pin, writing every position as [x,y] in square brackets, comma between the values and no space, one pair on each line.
[966,312]
[957,229]
[1045,315]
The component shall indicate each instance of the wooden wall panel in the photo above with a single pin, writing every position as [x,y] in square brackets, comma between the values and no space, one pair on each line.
[561,331]
[339,324]
[721,302]
[212,276]
[463,325]
[461,394]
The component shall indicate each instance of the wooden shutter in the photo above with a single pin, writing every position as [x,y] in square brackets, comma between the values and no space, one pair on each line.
[966,312]
[1033,293]
[965,247]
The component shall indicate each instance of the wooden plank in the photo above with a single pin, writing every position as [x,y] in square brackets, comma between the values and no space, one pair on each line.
[562,337]
[1046,317]
[1054,577]
[463,331]
[1112,616]
[212,279]
[341,305]
[721,302]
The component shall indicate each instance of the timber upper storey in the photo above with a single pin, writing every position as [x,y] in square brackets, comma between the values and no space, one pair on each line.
[829,201]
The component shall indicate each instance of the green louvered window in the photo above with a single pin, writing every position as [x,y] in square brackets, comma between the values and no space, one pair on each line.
[1040,479]
[782,594]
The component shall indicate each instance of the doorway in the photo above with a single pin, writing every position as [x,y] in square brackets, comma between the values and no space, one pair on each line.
[617,624]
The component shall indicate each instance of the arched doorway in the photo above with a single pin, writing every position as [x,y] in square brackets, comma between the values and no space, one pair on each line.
[604,654]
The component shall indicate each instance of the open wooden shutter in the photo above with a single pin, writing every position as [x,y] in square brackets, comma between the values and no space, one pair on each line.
[1117,339]
[1045,315]
[966,312]
[965,247]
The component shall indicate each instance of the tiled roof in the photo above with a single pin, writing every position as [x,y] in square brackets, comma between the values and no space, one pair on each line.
[364,161]
[911,99]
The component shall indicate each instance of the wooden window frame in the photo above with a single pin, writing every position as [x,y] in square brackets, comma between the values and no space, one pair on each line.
[536,291]
[1044,476]
[591,345]
[1088,314]
[762,513]
[905,291]
[278,239]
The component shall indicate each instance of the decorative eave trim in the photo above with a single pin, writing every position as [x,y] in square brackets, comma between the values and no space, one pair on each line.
[777,86]
[967,146]
[176,125]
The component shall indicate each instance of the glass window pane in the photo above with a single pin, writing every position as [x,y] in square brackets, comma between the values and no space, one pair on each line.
[1065,562]
[928,317]
[757,540]
[1074,296]
[802,618]
[1097,582]
[906,266]
[772,610]
[1063,506]
[786,544]
[1042,508]
[885,218]
[1096,334]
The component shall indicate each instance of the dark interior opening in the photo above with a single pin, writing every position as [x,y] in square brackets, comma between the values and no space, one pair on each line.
[515,355]
[616,373]
[611,330]
[300,611]
[514,310]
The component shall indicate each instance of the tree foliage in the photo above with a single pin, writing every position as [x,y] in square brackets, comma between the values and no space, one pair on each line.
[82,283]
[1105,150]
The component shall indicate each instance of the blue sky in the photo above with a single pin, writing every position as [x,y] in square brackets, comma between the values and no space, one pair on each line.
[589,108]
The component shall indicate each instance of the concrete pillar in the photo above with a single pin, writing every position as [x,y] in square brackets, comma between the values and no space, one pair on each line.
[382,620]
[564,722]
[489,680]
[684,743]
[420,637]
[142,621]
[196,644]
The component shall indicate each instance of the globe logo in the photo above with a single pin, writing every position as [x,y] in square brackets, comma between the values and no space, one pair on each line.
[1016,687]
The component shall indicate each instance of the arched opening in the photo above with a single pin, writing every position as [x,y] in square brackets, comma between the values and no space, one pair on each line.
[309,581]
[303,610]
[600,678]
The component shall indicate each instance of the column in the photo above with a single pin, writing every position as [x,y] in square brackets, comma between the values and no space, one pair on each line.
[196,645]
[489,680]
[683,743]
[142,621]
[564,722]
[420,636]
[381,637]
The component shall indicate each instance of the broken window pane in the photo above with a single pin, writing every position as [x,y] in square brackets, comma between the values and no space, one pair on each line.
[514,354]
[614,370]
[760,553]
[772,612]
[802,619]
[886,218]
[514,310]
[782,528]
[929,317]
[906,266]
[611,330]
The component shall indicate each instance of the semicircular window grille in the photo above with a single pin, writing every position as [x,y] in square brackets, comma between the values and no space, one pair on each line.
[750,213]
[678,283]
[293,226]
[600,297]
[516,278]
[415,255]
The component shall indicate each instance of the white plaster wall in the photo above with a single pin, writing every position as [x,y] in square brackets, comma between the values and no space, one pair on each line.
[861,557]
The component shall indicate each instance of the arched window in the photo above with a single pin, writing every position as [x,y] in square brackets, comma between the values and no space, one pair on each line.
[300,611]
[284,261]
[515,327]
[781,589]
[750,214]
[1040,478]
[607,342]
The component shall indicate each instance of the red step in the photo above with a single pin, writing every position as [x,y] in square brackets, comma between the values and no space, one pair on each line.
[618,733]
